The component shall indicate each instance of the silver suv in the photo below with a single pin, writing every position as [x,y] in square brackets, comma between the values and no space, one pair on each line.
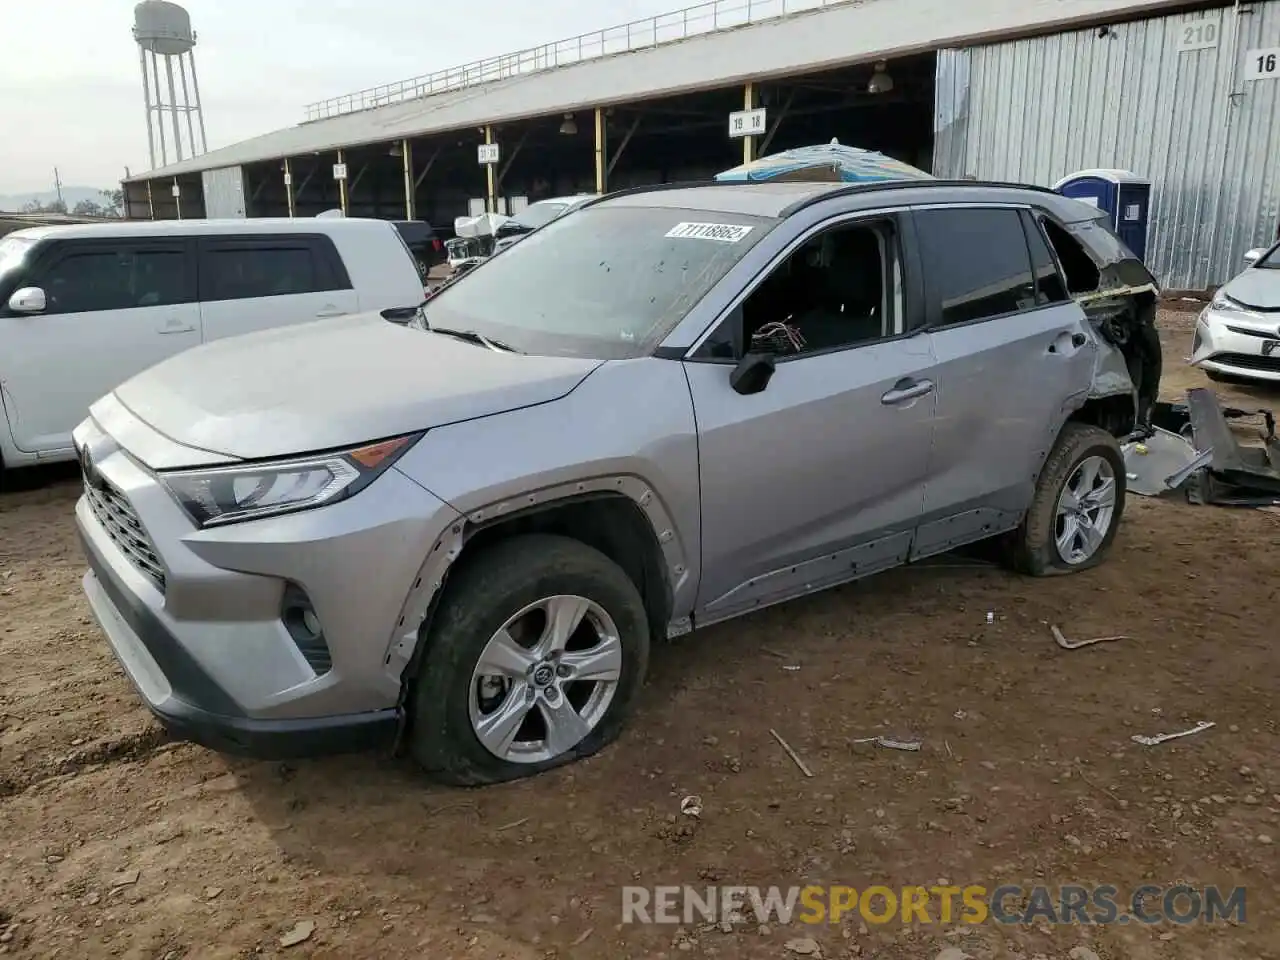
[666,409]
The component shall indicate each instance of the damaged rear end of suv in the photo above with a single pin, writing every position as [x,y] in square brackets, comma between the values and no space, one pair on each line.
[1119,295]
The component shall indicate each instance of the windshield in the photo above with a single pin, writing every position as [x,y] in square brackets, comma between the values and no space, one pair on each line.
[608,282]
[12,252]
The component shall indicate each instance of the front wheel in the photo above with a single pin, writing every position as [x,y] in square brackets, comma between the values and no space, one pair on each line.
[534,660]
[1076,510]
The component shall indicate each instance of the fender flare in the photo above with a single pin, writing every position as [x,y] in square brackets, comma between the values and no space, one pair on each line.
[404,650]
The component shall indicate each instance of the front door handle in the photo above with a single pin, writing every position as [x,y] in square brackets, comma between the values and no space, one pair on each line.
[330,311]
[175,328]
[905,390]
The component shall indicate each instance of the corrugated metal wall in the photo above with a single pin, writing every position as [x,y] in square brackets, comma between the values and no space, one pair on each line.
[223,192]
[1190,120]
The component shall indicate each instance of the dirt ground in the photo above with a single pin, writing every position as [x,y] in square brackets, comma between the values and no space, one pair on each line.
[115,842]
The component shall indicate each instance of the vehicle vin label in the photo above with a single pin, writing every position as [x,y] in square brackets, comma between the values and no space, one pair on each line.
[722,232]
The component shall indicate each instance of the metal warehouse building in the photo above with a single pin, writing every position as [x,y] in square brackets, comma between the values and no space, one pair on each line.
[1184,94]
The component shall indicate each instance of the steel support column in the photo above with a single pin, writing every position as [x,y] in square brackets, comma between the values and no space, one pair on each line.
[406,154]
[602,171]
[288,188]
[342,184]
[491,186]
[748,103]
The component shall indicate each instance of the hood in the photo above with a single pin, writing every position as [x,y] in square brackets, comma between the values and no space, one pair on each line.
[1256,288]
[335,383]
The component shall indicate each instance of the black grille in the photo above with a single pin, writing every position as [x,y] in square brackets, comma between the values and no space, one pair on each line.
[121,523]
[1249,361]
[1246,332]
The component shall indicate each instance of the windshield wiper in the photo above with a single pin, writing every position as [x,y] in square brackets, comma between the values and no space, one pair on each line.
[474,336]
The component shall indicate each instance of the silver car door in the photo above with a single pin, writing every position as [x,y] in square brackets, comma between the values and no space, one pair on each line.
[1014,356]
[819,477]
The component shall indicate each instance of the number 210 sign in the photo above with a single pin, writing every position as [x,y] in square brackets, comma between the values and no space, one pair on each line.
[1262,64]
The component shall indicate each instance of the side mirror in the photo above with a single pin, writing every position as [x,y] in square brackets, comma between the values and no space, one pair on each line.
[752,374]
[28,300]
[1253,256]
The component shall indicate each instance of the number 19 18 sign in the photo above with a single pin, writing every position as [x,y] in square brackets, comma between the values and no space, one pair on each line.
[1262,64]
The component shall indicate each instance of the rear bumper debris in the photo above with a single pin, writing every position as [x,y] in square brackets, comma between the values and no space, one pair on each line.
[1191,446]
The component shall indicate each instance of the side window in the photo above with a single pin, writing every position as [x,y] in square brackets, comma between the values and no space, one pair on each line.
[160,278]
[1081,272]
[976,263]
[250,270]
[115,279]
[840,288]
[1049,285]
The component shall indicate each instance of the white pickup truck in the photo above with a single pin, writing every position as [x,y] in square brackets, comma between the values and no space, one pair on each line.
[84,308]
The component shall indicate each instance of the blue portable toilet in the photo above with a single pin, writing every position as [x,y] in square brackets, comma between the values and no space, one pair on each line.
[1121,193]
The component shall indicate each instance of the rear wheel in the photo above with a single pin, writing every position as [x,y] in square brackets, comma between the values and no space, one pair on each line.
[1078,503]
[534,660]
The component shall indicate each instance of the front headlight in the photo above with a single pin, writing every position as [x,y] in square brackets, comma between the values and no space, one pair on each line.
[223,495]
[1222,303]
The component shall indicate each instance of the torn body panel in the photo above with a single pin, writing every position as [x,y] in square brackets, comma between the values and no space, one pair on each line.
[1122,308]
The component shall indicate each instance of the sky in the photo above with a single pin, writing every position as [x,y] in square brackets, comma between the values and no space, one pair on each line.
[71,86]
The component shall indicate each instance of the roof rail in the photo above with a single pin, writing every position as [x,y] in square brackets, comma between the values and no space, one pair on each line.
[908,184]
[822,197]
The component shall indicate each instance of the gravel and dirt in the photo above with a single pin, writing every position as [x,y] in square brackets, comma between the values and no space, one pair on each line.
[115,842]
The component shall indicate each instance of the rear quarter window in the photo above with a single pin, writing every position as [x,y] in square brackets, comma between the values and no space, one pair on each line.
[250,268]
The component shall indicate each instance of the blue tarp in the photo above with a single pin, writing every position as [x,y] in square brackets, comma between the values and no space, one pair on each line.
[829,161]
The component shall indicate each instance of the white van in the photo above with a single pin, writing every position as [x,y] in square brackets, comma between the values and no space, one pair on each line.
[84,308]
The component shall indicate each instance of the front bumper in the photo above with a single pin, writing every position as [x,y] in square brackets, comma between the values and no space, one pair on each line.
[195,616]
[189,703]
[1238,343]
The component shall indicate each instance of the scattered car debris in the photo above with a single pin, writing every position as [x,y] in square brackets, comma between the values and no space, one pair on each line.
[1066,644]
[126,878]
[513,824]
[1151,464]
[804,947]
[791,667]
[1237,475]
[691,806]
[1163,737]
[301,933]
[1190,445]
[791,753]
[583,937]
[910,746]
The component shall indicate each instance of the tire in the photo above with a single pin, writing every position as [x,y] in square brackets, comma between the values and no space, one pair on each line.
[481,597]
[1033,548]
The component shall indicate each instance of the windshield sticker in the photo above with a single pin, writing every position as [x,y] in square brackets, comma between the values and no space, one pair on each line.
[722,232]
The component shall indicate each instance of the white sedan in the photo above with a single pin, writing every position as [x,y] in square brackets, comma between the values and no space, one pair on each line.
[1238,334]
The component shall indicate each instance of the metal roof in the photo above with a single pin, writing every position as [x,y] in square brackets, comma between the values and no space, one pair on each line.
[844,33]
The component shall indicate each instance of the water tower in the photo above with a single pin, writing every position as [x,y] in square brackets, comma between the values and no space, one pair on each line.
[165,38]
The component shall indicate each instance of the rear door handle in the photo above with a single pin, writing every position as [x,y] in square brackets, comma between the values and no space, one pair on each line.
[905,390]
[330,311]
[175,327]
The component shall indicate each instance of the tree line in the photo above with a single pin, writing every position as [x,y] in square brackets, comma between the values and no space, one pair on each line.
[111,204]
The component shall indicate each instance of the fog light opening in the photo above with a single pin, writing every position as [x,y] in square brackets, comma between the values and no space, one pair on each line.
[303,624]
